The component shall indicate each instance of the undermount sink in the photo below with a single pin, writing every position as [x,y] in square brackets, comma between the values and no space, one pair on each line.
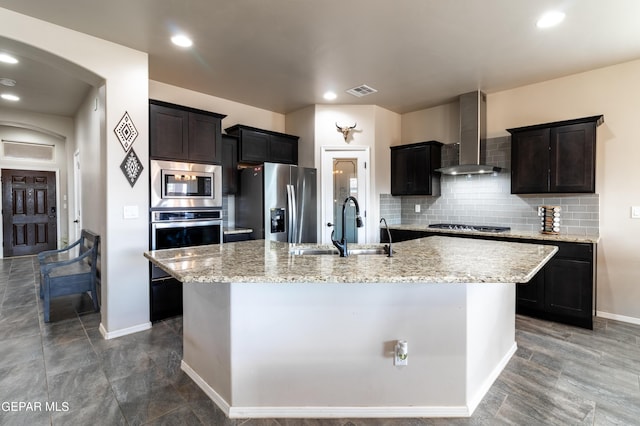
[322,251]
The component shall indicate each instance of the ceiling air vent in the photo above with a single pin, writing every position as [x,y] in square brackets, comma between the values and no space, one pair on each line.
[361,91]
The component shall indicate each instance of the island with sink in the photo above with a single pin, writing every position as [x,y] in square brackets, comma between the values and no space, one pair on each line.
[276,330]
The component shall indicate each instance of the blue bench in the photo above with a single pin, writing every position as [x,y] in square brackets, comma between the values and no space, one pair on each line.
[71,270]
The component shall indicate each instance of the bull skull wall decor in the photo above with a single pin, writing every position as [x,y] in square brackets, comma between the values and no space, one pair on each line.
[346,130]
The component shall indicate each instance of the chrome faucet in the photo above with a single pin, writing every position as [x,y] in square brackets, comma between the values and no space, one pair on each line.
[342,244]
[387,248]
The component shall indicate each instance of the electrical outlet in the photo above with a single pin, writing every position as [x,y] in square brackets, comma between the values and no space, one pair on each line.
[401,356]
[635,212]
[417,208]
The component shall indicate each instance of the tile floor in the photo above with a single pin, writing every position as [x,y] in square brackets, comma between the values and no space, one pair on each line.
[70,375]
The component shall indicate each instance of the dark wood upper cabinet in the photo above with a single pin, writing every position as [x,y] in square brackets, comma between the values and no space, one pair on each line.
[413,169]
[184,134]
[257,146]
[557,157]
[229,164]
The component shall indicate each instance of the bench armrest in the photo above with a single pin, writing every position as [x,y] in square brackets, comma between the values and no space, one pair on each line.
[47,267]
[42,256]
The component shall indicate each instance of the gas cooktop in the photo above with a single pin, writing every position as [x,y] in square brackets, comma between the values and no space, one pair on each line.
[476,228]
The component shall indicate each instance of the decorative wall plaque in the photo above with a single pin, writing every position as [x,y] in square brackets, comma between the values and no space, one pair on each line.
[126,131]
[131,167]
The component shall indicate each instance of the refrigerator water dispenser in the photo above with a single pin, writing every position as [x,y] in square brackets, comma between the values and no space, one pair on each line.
[277,220]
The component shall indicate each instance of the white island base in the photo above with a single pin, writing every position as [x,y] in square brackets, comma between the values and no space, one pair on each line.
[319,350]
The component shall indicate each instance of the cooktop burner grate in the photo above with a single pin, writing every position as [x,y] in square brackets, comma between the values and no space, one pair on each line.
[476,228]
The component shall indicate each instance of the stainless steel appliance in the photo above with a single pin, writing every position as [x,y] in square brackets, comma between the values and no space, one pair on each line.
[279,202]
[185,185]
[175,229]
[473,137]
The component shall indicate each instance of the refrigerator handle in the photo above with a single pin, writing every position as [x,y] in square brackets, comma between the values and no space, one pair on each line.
[292,213]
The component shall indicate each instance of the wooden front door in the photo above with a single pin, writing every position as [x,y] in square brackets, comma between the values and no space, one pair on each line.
[28,212]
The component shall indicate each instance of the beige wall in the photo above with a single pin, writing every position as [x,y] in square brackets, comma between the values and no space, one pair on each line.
[302,124]
[611,91]
[440,123]
[235,112]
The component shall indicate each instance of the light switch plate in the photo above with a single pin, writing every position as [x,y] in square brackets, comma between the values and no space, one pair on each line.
[635,212]
[417,208]
[130,212]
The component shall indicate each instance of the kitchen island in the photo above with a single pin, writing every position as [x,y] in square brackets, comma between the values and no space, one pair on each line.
[268,333]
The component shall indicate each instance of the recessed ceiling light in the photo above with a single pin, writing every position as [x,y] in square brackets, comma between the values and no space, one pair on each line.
[550,19]
[181,40]
[330,96]
[9,97]
[7,59]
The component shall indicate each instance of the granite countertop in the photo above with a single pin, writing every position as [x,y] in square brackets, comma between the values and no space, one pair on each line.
[525,235]
[229,231]
[434,259]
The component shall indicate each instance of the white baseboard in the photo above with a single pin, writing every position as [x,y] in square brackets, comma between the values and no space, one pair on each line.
[124,331]
[211,393]
[323,412]
[622,318]
[479,396]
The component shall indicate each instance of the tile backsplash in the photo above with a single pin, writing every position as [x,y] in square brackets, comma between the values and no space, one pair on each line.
[487,200]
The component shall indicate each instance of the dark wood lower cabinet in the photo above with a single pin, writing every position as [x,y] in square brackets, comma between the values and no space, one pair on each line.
[562,291]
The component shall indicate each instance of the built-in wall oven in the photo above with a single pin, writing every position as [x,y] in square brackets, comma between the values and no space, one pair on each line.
[185,200]
[176,229]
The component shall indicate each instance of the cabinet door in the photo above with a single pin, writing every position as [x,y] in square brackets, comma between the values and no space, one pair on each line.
[283,149]
[204,138]
[530,295]
[254,147]
[229,165]
[402,179]
[568,287]
[530,162]
[573,158]
[168,133]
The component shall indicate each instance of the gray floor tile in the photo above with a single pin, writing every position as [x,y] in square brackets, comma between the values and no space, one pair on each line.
[26,418]
[146,396]
[69,356]
[101,413]
[17,350]
[182,416]
[80,387]
[25,381]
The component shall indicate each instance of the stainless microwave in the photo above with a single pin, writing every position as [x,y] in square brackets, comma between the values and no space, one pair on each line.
[184,185]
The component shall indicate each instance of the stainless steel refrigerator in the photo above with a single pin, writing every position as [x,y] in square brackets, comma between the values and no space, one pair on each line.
[279,202]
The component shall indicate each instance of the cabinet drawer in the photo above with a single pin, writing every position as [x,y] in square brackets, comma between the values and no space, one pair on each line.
[574,250]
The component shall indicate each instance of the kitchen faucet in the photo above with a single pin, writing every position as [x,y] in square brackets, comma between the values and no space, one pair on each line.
[387,248]
[342,244]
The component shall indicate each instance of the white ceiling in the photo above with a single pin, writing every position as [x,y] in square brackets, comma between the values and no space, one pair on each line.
[282,55]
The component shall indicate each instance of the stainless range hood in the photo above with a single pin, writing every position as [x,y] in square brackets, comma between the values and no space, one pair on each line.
[473,134]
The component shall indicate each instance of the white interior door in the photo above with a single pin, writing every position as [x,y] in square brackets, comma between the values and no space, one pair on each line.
[344,173]
[77,197]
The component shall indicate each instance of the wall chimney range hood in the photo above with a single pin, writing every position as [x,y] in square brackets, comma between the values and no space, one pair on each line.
[473,135]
